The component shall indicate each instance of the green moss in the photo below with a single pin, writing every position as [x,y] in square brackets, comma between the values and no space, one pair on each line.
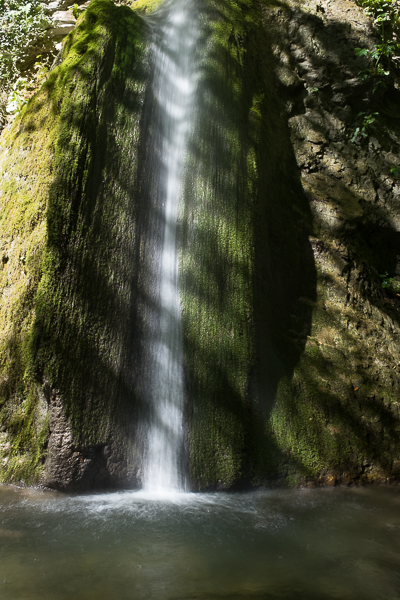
[332,418]
[244,260]
[27,152]
[274,351]
[27,425]
[68,225]
[80,337]
[216,256]
[146,6]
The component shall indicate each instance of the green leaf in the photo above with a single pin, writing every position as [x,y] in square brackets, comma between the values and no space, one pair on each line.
[355,135]
[395,171]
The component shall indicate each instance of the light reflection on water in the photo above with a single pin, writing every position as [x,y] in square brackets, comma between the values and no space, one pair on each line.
[280,544]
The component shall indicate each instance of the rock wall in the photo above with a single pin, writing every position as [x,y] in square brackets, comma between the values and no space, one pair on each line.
[70,236]
[291,344]
[336,418]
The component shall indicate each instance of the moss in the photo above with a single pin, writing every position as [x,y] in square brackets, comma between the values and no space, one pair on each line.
[216,256]
[68,166]
[146,6]
[26,421]
[245,262]
[292,400]
[332,418]
[80,339]
[27,152]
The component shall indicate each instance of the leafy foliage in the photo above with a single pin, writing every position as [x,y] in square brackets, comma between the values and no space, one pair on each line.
[362,130]
[390,283]
[382,57]
[25,87]
[22,26]
[395,171]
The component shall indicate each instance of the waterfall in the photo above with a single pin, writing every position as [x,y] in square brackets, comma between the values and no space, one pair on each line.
[173,46]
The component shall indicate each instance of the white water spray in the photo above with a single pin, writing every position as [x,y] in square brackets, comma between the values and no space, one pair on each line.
[174,38]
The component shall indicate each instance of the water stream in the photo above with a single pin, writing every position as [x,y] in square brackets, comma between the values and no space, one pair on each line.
[173,44]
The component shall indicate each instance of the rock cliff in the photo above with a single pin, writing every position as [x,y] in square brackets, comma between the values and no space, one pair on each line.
[286,226]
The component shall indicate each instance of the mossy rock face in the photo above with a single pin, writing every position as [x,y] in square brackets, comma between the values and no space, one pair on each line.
[71,219]
[245,255]
[216,256]
[291,346]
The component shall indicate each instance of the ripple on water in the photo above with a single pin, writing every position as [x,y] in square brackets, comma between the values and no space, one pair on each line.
[324,544]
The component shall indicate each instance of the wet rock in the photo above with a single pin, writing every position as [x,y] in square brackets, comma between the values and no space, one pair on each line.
[73,466]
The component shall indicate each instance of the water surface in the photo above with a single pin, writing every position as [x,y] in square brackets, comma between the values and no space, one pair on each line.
[280,544]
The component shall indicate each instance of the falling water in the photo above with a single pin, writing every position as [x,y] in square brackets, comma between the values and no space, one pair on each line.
[174,37]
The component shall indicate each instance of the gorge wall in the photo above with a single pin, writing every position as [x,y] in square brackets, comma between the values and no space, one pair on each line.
[291,344]
[71,234]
